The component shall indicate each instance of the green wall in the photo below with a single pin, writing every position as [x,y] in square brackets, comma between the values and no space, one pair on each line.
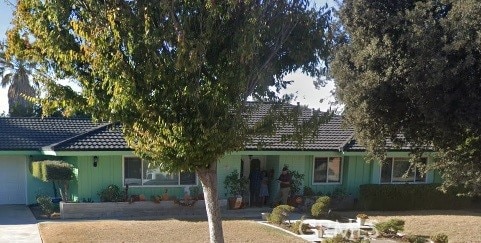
[90,179]
[356,173]
[361,172]
[225,166]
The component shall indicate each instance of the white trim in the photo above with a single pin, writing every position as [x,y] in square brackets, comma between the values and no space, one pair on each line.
[87,153]
[142,174]
[123,171]
[402,182]
[26,178]
[327,171]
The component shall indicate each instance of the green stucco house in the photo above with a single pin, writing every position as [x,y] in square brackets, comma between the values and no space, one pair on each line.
[101,157]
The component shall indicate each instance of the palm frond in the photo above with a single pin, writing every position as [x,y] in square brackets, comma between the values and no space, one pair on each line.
[6,80]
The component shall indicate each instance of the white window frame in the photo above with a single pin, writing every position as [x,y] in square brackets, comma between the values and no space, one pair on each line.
[401,182]
[142,176]
[327,171]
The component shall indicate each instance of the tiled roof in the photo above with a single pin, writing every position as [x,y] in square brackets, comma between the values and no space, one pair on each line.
[34,133]
[354,145]
[57,134]
[107,137]
[330,136]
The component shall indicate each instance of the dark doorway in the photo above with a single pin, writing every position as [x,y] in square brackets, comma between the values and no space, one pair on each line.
[255,164]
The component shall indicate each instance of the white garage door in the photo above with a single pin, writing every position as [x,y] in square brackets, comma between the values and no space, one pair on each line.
[12,180]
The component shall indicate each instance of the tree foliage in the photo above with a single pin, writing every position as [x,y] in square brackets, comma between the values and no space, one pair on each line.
[414,68]
[176,74]
[15,74]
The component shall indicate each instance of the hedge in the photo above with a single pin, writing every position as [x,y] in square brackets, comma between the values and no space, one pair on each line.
[408,197]
[51,170]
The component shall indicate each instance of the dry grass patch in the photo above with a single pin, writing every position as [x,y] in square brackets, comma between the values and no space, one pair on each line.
[458,225]
[170,230]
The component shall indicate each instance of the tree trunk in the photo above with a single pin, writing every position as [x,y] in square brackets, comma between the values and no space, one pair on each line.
[54,189]
[63,188]
[208,177]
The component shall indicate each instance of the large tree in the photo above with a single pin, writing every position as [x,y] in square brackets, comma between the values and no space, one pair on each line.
[15,74]
[176,74]
[414,68]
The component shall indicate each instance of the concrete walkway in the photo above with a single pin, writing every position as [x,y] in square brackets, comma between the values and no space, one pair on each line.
[18,225]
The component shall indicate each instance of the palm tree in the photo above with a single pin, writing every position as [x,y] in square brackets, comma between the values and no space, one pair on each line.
[15,74]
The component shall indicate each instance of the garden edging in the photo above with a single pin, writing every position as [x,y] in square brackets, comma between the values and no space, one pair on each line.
[127,209]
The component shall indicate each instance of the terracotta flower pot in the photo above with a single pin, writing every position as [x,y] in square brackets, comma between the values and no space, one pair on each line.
[235,202]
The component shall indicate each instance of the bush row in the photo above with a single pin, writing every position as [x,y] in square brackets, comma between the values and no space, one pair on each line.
[408,197]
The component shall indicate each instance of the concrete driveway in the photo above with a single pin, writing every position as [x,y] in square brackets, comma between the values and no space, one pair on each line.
[17,224]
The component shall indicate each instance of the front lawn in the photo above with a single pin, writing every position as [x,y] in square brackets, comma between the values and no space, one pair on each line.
[169,230]
[459,225]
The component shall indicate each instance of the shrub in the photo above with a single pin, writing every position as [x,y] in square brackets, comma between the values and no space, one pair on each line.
[339,193]
[320,206]
[300,228]
[46,204]
[318,209]
[390,227]
[279,214]
[324,199]
[54,171]
[111,194]
[196,192]
[416,239]
[408,197]
[235,184]
[296,182]
[336,239]
[308,191]
[440,238]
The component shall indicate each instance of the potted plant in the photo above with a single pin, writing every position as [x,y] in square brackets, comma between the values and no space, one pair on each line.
[296,197]
[236,187]
[361,218]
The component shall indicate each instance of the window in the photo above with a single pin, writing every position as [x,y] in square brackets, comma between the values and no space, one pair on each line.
[138,172]
[327,170]
[393,170]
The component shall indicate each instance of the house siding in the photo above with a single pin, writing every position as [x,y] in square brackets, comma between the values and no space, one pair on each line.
[91,180]
[226,165]
[358,172]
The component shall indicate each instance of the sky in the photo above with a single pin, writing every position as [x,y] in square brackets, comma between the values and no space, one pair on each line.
[303,87]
